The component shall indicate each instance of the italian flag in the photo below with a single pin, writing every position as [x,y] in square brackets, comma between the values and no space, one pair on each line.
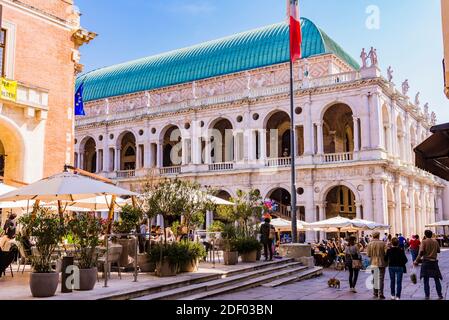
[295,30]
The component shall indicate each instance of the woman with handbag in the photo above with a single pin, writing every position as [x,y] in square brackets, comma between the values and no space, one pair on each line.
[353,261]
[396,260]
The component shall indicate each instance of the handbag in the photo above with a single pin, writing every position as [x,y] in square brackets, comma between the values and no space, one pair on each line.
[356,262]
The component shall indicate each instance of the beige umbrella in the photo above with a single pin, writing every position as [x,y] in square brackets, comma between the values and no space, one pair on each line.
[99,203]
[68,187]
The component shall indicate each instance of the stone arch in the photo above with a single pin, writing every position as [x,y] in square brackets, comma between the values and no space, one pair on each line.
[278,142]
[89,154]
[221,139]
[340,201]
[338,129]
[386,127]
[14,150]
[283,198]
[329,105]
[391,208]
[334,184]
[171,138]
[400,136]
[127,146]
[224,194]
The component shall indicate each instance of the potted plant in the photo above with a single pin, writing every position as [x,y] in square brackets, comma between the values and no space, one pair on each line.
[85,230]
[46,229]
[247,248]
[230,253]
[166,259]
[190,253]
[129,219]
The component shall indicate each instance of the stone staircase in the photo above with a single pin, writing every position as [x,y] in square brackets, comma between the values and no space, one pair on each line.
[273,274]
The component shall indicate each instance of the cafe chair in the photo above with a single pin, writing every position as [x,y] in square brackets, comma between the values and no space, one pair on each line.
[114,254]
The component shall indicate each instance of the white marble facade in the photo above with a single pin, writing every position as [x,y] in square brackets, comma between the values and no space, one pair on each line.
[355,134]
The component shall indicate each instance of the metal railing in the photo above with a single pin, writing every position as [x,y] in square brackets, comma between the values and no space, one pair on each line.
[126,174]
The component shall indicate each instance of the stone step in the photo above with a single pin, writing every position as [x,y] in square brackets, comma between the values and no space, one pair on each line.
[216,284]
[248,283]
[195,279]
[303,275]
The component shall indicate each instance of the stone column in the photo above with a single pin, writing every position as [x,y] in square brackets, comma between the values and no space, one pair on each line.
[320,137]
[185,151]
[117,159]
[160,154]
[356,134]
[422,220]
[99,160]
[106,158]
[394,134]
[310,209]
[250,150]
[79,160]
[263,145]
[138,156]
[375,121]
[322,216]
[358,210]
[365,124]
[391,218]
[309,140]
[398,212]
[147,155]
[207,151]
[412,214]
[369,196]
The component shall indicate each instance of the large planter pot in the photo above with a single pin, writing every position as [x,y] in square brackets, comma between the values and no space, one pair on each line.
[144,263]
[230,258]
[127,250]
[190,266]
[164,269]
[43,285]
[88,278]
[259,255]
[249,256]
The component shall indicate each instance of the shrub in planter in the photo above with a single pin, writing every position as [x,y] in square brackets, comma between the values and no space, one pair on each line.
[230,254]
[166,258]
[128,222]
[46,229]
[247,248]
[190,253]
[86,230]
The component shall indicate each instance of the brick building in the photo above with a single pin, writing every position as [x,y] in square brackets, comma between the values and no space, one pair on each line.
[38,53]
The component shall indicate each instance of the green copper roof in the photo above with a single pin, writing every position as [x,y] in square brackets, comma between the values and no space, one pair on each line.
[244,51]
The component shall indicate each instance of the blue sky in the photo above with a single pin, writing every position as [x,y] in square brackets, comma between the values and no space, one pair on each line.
[409,37]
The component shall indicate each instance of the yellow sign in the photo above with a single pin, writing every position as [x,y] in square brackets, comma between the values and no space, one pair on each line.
[8,90]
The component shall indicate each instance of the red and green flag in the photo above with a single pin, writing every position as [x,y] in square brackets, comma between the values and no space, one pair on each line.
[295,30]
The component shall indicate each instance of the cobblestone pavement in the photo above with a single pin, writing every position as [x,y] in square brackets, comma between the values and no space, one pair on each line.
[317,289]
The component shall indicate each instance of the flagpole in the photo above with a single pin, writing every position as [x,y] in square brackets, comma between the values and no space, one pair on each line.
[292,154]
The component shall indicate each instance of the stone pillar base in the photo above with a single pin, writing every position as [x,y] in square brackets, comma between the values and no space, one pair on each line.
[295,250]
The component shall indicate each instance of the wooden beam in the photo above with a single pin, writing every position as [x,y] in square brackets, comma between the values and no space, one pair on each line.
[90,175]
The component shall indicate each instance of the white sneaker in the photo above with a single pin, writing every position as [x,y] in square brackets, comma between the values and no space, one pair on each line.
[397,298]
[393,298]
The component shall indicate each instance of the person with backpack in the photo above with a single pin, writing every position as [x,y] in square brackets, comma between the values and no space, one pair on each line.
[353,261]
[267,236]
[396,261]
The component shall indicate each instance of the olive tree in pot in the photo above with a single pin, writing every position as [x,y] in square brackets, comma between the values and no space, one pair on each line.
[86,230]
[166,259]
[230,254]
[129,219]
[248,248]
[189,254]
[46,228]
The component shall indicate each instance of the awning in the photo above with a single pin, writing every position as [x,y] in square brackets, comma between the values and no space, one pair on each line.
[433,154]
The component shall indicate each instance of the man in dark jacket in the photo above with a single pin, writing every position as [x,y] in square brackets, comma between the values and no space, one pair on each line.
[10,226]
[266,238]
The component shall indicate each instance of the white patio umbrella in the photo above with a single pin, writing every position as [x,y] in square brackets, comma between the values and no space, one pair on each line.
[335,223]
[99,203]
[285,225]
[369,225]
[4,188]
[443,223]
[68,187]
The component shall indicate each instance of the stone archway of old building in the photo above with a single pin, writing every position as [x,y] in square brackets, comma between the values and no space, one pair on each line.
[340,201]
[222,141]
[172,146]
[338,129]
[12,151]
[89,155]
[223,194]
[283,198]
[128,151]
[278,134]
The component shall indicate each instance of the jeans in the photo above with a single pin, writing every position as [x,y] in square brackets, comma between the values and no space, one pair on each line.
[396,274]
[353,276]
[427,287]
[414,253]
[379,278]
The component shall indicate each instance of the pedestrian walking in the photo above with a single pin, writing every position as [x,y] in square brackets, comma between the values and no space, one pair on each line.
[402,241]
[414,247]
[396,260]
[267,236]
[376,251]
[353,261]
[428,254]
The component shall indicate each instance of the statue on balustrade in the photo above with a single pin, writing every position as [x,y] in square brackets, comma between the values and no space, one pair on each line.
[405,87]
[390,74]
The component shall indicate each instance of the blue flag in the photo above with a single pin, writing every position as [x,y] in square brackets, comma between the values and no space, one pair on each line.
[79,103]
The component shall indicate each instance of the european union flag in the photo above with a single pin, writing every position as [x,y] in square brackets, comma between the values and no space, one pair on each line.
[79,103]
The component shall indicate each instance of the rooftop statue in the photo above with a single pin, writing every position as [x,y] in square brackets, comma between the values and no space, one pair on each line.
[373,56]
[364,57]
[405,87]
[417,102]
[390,74]
[433,118]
